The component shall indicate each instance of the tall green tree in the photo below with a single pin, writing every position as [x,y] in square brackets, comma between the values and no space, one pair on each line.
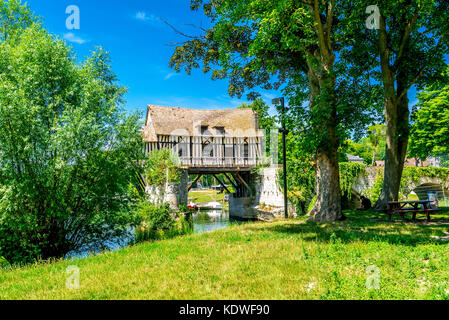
[290,44]
[408,47]
[430,130]
[68,151]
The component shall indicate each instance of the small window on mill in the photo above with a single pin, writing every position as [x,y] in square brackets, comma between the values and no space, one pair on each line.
[220,131]
[204,130]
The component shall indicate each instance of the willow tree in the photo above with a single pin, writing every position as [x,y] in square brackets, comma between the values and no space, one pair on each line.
[68,151]
[408,43]
[292,45]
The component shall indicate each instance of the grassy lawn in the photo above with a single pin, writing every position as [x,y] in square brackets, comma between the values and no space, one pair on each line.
[279,260]
[202,196]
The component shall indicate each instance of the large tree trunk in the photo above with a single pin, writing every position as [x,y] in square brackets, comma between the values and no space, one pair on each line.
[397,120]
[328,204]
[323,104]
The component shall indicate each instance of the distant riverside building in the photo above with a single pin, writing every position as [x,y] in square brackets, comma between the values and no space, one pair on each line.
[354,159]
[414,162]
[435,161]
[379,163]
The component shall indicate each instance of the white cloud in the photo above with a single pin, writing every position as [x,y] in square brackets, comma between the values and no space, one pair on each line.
[143,16]
[269,96]
[170,75]
[71,37]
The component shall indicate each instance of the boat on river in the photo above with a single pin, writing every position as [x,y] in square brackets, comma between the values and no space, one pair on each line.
[214,205]
[192,205]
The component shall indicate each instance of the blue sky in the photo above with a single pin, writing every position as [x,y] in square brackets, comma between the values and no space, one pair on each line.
[139,47]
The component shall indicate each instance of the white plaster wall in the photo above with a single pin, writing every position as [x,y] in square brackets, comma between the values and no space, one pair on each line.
[269,191]
[174,194]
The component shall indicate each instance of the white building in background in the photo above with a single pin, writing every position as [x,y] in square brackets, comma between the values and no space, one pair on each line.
[434,161]
[354,159]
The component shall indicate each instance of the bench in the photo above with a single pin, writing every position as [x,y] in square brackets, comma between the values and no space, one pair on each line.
[399,208]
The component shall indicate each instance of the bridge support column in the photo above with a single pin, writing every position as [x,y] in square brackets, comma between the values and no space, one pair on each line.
[175,194]
[266,201]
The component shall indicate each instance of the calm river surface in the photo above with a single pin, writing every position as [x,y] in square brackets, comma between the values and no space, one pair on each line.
[210,220]
[204,221]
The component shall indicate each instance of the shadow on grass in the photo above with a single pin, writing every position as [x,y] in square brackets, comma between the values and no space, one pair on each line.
[370,227]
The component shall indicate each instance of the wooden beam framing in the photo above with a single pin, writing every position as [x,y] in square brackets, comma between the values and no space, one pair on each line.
[238,177]
[222,184]
[196,180]
[230,180]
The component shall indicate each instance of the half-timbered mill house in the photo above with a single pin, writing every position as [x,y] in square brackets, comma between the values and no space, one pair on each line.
[226,142]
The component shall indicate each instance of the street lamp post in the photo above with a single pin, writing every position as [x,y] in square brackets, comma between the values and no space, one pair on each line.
[281,102]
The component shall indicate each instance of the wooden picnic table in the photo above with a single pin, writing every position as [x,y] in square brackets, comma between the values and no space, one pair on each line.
[414,207]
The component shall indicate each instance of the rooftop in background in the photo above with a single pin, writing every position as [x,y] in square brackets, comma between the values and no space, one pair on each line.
[436,161]
[169,121]
[352,158]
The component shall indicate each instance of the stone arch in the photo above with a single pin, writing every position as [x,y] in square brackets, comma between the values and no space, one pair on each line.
[421,190]
[423,185]
[367,180]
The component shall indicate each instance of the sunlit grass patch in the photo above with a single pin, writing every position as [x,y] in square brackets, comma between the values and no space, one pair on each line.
[279,260]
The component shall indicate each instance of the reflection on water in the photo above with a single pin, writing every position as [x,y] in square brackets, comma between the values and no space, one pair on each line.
[207,221]
[204,221]
[113,244]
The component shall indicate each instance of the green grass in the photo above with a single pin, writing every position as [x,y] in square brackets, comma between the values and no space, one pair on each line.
[206,196]
[202,196]
[279,260]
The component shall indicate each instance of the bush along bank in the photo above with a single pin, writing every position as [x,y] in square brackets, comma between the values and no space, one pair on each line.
[159,222]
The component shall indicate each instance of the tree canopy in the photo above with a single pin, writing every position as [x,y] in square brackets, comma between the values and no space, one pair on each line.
[407,49]
[430,129]
[371,148]
[14,18]
[68,151]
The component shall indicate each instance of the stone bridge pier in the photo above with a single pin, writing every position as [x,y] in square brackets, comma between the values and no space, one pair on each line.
[266,200]
[175,194]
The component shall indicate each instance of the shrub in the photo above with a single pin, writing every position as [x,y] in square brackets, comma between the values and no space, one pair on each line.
[162,165]
[160,222]
[3,262]
[157,217]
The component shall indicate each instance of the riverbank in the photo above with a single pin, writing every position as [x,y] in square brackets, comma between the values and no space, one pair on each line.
[278,260]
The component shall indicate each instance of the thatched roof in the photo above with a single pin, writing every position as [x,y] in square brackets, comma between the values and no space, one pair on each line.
[188,122]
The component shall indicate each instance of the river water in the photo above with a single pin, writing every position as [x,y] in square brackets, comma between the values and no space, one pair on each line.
[207,221]
[204,221]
